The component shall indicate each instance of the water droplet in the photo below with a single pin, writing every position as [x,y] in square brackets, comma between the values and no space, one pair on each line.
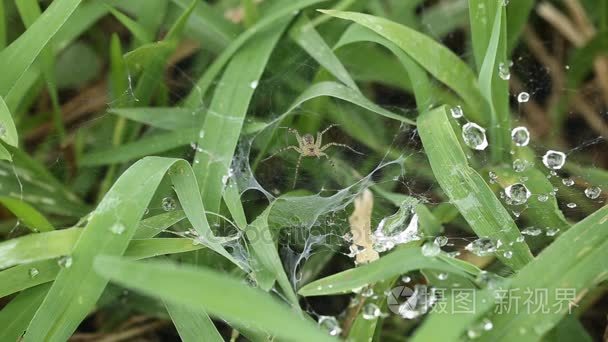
[65,261]
[367,292]
[568,181]
[430,249]
[474,136]
[504,72]
[397,229]
[254,84]
[543,197]
[330,324]
[442,276]
[441,241]
[419,302]
[507,254]
[33,272]
[551,231]
[520,136]
[482,247]
[519,165]
[487,279]
[118,228]
[593,192]
[520,238]
[406,279]
[168,204]
[493,177]
[523,97]
[201,134]
[456,112]
[531,231]
[517,193]
[371,311]
[554,159]
[571,205]
[479,328]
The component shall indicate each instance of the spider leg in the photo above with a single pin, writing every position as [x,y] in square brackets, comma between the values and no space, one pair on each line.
[291,147]
[341,145]
[297,134]
[295,177]
[320,134]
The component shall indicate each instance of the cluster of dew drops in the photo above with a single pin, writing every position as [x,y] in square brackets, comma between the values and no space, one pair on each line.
[474,136]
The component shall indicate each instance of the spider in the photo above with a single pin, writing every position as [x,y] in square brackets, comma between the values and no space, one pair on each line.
[309,147]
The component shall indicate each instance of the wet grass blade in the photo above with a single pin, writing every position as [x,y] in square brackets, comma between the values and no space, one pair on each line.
[202,86]
[221,129]
[403,260]
[31,217]
[109,230]
[21,54]
[19,277]
[467,190]
[307,37]
[438,60]
[16,315]
[223,297]
[7,126]
[169,118]
[573,262]
[193,325]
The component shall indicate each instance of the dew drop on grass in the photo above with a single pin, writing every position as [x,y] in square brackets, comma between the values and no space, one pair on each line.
[543,197]
[474,136]
[523,97]
[117,228]
[441,240]
[493,177]
[442,276]
[479,328]
[406,279]
[503,71]
[520,238]
[482,247]
[520,136]
[571,205]
[593,192]
[168,204]
[254,84]
[456,112]
[554,159]
[397,229]
[419,302]
[532,231]
[487,279]
[330,324]
[568,181]
[33,272]
[430,249]
[551,231]
[519,165]
[367,292]
[507,254]
[65,261]
[517,193]
[371,311]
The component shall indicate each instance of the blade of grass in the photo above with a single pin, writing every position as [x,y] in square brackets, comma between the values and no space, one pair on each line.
[152,226]
[466,188]
[19,277]
[238,303]
[19,56]
[224,119]
[5,154]
[142,35]
[169,118]
[31,217]
[193,325]
[202,86]
[109,230]
[438,60]
[7,126]
[305,35]
[16,315]
[405,259]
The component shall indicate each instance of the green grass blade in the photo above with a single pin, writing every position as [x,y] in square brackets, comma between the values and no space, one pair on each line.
[16,315]
[466,188]
[438,60]
[19,277]
[305,35]
[193,325]
[152,226]
[221,129]
[169,118]
[21,54]
[31,217]
[571,262]
[7,126]
[403,260]
[149,145]
[182,285]
[5,154]
[202,86]
[109,230]
[139,32]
